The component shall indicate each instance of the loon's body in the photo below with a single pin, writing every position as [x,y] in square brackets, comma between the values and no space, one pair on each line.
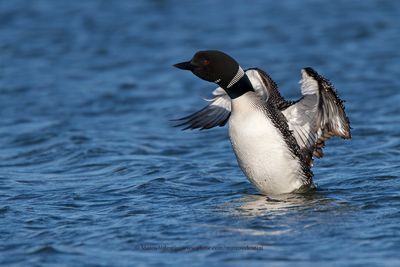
[274,140]
[260,148]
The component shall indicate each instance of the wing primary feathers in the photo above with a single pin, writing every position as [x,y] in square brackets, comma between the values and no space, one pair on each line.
[318,115]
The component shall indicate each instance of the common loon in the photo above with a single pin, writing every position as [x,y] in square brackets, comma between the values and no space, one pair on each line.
[274,140]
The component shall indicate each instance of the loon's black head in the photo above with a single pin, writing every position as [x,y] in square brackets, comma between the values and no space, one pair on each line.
[213,66]
[220,68]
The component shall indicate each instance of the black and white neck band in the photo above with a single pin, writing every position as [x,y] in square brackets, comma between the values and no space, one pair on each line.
[236,78]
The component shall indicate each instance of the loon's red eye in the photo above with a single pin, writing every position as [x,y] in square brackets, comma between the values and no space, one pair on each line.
[205,62]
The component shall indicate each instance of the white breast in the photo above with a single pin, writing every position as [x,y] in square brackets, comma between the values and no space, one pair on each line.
[260,148]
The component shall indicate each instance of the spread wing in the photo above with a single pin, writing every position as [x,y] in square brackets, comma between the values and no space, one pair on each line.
[217,112]
[317,116]
[267,88]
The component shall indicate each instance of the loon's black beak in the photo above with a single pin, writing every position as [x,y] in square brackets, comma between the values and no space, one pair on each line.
[187,65]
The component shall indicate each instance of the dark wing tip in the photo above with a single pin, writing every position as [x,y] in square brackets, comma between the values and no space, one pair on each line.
[206,118]
[310,71]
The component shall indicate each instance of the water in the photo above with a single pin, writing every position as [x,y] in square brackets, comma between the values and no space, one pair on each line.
[93,174]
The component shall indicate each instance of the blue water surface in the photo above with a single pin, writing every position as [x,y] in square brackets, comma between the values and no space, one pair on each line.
[93,174]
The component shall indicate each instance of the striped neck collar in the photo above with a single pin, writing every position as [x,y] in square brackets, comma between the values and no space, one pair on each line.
[239,85]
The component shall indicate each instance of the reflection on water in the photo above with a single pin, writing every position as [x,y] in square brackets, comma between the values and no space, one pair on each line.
[258,205]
